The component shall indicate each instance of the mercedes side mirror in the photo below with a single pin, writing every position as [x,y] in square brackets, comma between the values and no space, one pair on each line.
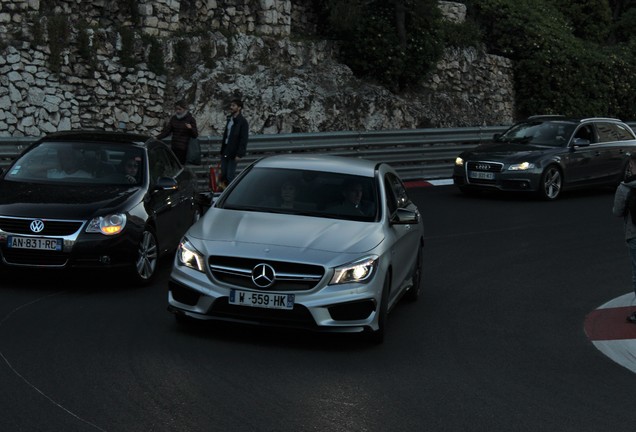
[405,217]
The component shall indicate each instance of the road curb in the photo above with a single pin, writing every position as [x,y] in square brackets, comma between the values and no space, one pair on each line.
[611,334]
[427,183]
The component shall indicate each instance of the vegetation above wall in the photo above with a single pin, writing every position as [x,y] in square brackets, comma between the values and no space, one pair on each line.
[395,43]
[572,57]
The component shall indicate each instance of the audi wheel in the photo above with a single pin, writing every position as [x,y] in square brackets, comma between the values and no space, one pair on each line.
[551,183]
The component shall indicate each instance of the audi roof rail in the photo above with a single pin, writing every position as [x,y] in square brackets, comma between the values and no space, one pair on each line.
[545,116]
[600,119]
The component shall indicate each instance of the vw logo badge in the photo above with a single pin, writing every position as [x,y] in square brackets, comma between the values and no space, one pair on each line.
[263,275]
[37,226]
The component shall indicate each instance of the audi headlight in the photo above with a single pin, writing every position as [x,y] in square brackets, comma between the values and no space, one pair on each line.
[523,166]
[188,256]
[108,225]
[459,162]
[357,271]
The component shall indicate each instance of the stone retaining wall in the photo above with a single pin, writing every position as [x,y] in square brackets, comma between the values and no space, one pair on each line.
[234,48]
[164,18]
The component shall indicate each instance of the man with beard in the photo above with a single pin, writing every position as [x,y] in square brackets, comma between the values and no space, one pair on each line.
[182,126]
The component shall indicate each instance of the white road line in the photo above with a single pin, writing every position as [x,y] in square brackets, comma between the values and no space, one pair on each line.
[26,381]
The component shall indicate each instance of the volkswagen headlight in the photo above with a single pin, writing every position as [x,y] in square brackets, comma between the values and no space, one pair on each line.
[357,271]
[188,256]
[108,225]
[523,166]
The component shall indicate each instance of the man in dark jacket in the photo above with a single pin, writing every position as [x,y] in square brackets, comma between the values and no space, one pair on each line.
[182,126]
[621,209]
[234,141]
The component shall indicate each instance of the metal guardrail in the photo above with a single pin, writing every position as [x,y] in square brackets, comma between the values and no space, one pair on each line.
[414,153]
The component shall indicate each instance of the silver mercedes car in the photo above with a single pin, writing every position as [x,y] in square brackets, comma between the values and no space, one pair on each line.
[316,242]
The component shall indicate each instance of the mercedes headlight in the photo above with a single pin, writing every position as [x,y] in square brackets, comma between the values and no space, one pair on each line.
[188,256]
[523,166]
[357,271]
[108,225]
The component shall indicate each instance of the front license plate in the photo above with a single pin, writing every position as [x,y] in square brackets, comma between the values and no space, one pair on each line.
[36,243]
[262,300]
[481,175]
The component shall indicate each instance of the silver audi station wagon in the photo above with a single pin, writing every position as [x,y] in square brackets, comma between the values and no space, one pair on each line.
[316,242]
[547,155]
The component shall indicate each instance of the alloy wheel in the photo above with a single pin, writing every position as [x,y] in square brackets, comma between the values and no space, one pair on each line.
[551,183]
[147,256]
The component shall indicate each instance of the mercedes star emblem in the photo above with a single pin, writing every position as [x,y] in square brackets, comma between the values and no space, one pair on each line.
[263,275]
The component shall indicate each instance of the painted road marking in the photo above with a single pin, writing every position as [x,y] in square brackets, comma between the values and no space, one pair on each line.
[611,334]
[610,324]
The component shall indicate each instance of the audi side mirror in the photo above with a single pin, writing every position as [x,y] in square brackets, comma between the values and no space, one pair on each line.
[581,142]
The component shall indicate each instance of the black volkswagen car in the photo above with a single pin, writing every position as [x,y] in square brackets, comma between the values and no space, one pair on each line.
[95,200]
[547,155]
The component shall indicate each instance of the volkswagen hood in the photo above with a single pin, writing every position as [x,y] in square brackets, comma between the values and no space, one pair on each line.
[63,201]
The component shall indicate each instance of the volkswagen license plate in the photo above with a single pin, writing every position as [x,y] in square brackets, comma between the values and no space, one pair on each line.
[36,243]
[484,175]
[262,300]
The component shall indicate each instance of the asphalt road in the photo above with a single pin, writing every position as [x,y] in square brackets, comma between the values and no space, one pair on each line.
[496,342]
